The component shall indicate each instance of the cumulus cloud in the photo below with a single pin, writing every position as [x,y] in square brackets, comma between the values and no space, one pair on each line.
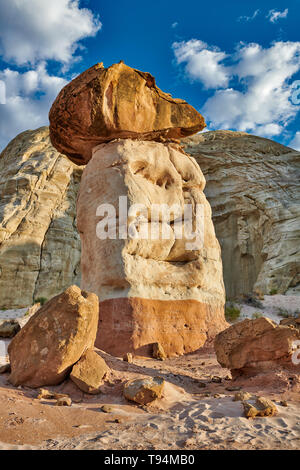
[260,101]
[29,96]
[274,15]
[249,18]
[35,30]
[203,63]
[295,143]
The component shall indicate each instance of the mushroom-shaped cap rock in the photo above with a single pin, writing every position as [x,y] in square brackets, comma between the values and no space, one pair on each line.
[103,104]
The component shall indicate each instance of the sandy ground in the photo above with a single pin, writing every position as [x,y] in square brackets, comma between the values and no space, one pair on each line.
[194,413]
[274,307]
[197,410]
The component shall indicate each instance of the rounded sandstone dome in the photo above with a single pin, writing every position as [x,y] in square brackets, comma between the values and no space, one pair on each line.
[103,104]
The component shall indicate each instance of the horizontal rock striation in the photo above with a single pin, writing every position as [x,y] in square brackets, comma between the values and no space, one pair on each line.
[253,186]
[39,242]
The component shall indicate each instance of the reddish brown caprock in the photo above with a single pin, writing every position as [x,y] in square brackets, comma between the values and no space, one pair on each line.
[103,104]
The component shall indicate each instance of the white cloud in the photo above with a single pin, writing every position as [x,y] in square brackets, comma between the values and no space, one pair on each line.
[29,96]
[35,30]
[203,63]
[262,102]
[274,15]
[249,18]
[174,25]
[295,143]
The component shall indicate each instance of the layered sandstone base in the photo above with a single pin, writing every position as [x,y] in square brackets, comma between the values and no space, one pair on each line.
[134,324]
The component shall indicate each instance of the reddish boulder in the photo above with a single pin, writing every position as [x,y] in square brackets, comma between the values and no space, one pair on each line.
[104,104]
[54,338]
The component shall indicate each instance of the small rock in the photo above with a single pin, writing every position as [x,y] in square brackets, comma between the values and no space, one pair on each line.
[5,368]
[144,391]
[241,396]
[89,372]
[106,409]
[9,328]
[128,358]
[284,403]
[217,380]
[45,394]
[233,389]
[217,395]
[158,352]
[263,408]
[64,401]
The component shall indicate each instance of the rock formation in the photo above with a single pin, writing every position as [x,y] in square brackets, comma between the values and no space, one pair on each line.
[39,242]
[103,104]
[253,346]
[89,372]
[55,337]
[144,391]
[253,187]
[151,289]
[257,226]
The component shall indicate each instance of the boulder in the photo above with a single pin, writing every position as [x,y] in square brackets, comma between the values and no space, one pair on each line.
[253,346]
[158,352]
[128,358]
[253,187]
[103,104]
[144,391]
[64,401]
[54,338]
[242,396]
[39,242]
[9,328]
[89,372]
[263,407]
[4,368]
[165,289]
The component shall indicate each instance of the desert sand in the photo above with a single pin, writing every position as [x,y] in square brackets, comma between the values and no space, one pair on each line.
[194,413]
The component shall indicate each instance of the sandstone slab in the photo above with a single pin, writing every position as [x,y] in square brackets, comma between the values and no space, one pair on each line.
[144,391]
[46,348]
[89,372]
[253,346]
[103,104]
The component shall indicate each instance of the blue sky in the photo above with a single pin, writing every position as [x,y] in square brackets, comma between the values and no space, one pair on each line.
[235,62]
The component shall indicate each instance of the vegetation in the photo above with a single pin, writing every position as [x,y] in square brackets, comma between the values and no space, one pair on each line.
[232,312]
[40,300]
[287,313]
[256,315]
[273,291]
